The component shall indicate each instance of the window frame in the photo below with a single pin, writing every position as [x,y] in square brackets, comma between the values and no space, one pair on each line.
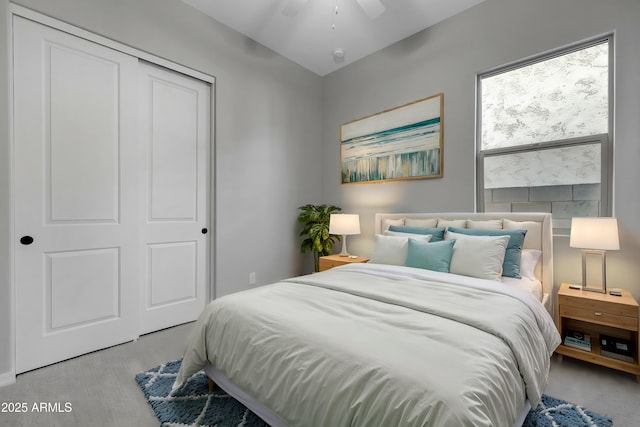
[605,139]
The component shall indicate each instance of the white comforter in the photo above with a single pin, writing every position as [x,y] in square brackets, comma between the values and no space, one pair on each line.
[374,345]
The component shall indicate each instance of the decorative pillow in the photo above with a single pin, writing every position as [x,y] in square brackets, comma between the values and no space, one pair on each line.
[430,256]
[477,256]
[391,249]
[386,223]
[421,222]
[452,223]
[492,224]
[529,262]
[511,265]
[407,235]
[437,234]
[533,240]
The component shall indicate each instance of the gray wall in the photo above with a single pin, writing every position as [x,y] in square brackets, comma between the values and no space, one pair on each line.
[268,134]
[446,58]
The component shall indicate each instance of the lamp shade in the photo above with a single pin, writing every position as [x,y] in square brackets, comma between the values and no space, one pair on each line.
[594,233]
[344,224]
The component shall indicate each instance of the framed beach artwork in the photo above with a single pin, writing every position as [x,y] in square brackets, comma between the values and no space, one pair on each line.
[401,143]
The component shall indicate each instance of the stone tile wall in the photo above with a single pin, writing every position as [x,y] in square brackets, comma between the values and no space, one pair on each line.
[562,201]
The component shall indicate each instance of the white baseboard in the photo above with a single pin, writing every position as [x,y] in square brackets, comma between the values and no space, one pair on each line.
[7,378]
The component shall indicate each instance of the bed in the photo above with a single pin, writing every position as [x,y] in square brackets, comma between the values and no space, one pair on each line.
[394,342]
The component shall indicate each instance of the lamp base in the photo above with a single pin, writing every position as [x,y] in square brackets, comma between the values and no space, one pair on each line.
[344,246]
[602,257]
[599,290]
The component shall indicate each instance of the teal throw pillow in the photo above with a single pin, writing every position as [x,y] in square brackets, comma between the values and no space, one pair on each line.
[430,256]
[511,264]
[437,233]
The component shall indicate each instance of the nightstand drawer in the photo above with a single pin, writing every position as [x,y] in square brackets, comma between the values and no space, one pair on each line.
[594,305]
[326,264]
[600,317]
[330,261]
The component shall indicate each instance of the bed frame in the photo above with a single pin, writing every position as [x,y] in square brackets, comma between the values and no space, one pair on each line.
[544,242]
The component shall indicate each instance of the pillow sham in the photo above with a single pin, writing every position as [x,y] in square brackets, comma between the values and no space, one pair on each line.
[477,256]
[437,233]
[386,223]
[452,223]
[421,222]
[533,239]
[511,263]
[391,249]
[430,256]
[529,262]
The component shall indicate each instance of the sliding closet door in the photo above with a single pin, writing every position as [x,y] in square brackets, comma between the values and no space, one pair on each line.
[174,132]
[76,212]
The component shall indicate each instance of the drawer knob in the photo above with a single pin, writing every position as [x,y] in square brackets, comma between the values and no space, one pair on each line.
[597,313]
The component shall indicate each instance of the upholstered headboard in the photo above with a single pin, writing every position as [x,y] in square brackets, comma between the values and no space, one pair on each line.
[539,235]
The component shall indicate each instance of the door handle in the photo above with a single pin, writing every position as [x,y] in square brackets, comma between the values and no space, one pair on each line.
[204,231]
[26,240]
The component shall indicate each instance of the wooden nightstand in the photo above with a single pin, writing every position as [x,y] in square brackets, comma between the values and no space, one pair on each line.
[330,261]
[599,314]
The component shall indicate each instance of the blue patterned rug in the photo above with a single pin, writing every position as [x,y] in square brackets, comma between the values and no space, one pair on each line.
[195,406]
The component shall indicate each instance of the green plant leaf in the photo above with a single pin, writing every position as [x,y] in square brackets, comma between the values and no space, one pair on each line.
[315,229]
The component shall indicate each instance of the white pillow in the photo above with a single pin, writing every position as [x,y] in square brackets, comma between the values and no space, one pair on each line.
[460,223]
[421,222]
[528,262]
[533,238]
[492,224]
[477,256]
[386,223]
[392,249]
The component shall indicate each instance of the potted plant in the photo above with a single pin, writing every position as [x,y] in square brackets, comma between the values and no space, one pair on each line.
[315,230]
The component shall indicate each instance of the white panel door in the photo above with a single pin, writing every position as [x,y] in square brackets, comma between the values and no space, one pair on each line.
[174,131]
[76,212]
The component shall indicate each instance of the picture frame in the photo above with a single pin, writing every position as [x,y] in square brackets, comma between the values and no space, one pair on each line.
[402,143]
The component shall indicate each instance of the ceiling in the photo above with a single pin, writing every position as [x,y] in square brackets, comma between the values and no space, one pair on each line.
[314,32]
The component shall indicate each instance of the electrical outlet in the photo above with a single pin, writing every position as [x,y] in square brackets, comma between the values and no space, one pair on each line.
[252,278]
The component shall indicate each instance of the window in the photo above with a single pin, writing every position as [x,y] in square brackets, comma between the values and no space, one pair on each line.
[543,136]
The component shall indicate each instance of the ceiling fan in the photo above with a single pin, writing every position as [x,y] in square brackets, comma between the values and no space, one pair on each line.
[372,8]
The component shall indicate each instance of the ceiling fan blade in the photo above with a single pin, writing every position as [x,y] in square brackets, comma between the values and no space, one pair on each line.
[373,8]
[292,7]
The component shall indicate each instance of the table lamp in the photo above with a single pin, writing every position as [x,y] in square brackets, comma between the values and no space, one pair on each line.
[594,236]
[344,224]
